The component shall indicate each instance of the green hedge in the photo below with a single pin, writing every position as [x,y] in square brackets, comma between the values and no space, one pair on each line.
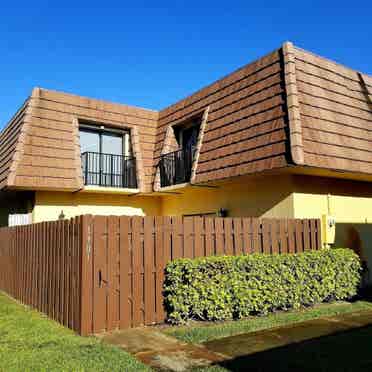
[230,287]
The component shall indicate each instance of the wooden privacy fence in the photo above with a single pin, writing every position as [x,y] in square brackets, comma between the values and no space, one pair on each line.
[96,273]
[40,265]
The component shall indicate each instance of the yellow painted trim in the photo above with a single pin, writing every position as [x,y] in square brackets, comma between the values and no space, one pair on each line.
[174,187]
[109,190]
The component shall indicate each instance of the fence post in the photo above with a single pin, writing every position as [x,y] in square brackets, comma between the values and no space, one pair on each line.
[86,285]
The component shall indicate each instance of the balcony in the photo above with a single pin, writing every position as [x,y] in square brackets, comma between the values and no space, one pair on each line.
[175,167]
[109,170]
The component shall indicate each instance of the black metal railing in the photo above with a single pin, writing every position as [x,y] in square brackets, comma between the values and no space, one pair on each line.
[109,170]
[175,167]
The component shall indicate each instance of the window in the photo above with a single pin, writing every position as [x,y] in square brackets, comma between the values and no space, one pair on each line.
[105,141]
[176,166]
[106,157]
[187,133]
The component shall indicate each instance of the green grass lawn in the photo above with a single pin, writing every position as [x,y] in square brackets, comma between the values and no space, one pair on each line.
[198,332]
[30,341]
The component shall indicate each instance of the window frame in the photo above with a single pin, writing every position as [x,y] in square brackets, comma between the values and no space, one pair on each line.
[101,129]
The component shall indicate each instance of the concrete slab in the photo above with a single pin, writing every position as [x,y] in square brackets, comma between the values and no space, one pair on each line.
[250,343]
[161,351]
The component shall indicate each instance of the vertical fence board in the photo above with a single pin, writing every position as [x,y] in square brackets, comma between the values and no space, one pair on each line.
[137,271]
[125,276]
[149,279]
[283,240]
[160,263]
[188,239]
[256,235]
[319,234]
[274,234]
[238,236]
[177,238]
[299,236]
[306,234]
[313,228]
[167,238]
[266,241]
[86,283]
[112,248]
[219,236]
[209,237]
[247,235]
[199,237]
[99,274]
[229,237]
[291,236]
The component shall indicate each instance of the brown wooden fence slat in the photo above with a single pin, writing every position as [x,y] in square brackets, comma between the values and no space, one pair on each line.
[291,236]
[238,236]
[125,265]
[306,233]
[167,238]
[160,263]
[199,249]
[188,238]
[299,236]
[149,279]
[209,237]
[283,240]
[229,238]
[125,278]
[318,234]
[275,234]
[247,235]
[112,248]
[266,239]
[99,274]
[256,236]
[219,236]
[137,269]
[313,227]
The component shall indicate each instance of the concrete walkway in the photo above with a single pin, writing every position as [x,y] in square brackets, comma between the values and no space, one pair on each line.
[161,351]
[167,353]
[254,342]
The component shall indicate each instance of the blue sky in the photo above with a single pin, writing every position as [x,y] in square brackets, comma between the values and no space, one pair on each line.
[153,53]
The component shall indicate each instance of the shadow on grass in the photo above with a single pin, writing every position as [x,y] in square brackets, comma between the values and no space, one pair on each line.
[344,351]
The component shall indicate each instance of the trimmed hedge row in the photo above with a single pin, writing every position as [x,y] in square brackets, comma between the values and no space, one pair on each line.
[230,287]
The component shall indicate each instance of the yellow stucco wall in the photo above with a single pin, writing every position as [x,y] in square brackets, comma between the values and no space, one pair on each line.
[347,201]
[289,196]
[268,196]
[250,196]
[49,205]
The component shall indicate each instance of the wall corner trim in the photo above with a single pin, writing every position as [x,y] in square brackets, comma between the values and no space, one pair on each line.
[199,145]
[293,106]
[19,149]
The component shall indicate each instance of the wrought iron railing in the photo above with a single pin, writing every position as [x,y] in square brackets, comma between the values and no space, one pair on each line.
[175,167]
[109,170]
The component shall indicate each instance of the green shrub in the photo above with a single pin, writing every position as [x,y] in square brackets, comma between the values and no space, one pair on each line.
[229,287]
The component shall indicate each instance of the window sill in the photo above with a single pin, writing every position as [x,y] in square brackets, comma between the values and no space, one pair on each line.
[109,190]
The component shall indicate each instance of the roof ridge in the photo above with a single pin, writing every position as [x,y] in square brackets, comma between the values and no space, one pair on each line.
[96,99]
[330,60]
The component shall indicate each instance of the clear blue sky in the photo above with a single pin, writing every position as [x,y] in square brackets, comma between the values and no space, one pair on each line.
[153,53]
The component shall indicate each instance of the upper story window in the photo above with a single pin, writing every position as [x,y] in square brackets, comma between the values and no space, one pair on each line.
[106,157]
[176,166]
[187,134]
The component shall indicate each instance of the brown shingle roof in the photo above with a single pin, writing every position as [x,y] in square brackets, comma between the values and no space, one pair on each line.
[290,107]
